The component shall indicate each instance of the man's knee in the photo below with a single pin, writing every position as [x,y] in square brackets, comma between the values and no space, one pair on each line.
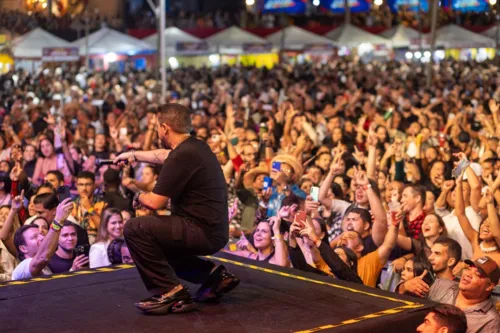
[131,227]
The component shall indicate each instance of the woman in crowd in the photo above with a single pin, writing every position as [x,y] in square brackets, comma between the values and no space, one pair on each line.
[111,228]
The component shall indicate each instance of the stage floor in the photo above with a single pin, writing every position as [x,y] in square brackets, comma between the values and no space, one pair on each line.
[269,299]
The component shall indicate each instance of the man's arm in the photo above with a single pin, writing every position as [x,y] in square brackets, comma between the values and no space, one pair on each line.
[49,243]
[152,200]
[157,156]
[384,251]
[379,228]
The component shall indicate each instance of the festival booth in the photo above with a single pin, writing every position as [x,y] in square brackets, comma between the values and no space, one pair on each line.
[350,38]
[235,45]
[461,44]
[182,48]
[301,45]
[112,50]
[401,37]
[492,32]
[39,48]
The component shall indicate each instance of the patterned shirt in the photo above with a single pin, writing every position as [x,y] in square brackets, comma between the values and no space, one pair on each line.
[414,228]
[481,318]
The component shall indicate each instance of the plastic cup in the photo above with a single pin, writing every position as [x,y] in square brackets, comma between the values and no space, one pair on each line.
[395,209]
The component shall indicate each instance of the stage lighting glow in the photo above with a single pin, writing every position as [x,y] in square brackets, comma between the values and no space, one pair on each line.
[418,55]
[110,57]
[316,3]
[250,2]
[427,54]
[409,55]
[378,2]
[174,63]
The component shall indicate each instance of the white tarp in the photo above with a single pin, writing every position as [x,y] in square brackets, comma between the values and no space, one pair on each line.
[491,32]
[350,36]
[233,39]
[108,40]
[31,44]
[401,36]
[297,38]
[453,36]
[173,35]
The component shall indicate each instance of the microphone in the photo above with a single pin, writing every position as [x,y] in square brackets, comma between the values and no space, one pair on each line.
[100,162]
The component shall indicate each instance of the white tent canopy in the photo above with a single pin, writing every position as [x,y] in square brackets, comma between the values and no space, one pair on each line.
[108,40]
[453,36]
[350,36]
[173,35]
[491,32]
[232,40]
[297,38]
[401,36]
[30,45]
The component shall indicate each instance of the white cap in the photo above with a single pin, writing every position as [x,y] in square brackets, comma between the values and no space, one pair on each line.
[57,97]
[478,170]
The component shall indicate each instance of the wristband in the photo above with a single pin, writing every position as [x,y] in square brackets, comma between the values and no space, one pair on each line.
[56,226]
[133,156]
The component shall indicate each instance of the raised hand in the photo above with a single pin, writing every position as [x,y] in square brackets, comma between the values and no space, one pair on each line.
[275,223]
[311,206]
[18,202]
[64,209]
[447,185]
[16,172]
[50,119]
[285,211]
[494,106]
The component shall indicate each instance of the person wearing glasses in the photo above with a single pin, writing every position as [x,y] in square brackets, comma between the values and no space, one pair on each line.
[88,207]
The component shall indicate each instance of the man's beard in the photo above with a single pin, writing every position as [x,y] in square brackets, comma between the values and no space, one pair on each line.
[162,143]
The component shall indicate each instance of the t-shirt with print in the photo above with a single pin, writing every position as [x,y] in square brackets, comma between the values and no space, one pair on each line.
[192,178]
[22,271]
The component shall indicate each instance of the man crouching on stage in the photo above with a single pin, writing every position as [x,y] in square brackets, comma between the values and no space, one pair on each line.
[164,247]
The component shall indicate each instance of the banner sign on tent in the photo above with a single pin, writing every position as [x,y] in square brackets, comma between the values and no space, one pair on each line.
[412,5]
[192,47]
[337,6]
[318,48]
[469,5]
[284,6]
[257,47]
[60,54]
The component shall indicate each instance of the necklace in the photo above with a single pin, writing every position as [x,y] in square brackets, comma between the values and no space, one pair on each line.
[488,249]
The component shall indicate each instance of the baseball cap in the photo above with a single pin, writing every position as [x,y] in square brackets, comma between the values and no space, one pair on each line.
[487,267]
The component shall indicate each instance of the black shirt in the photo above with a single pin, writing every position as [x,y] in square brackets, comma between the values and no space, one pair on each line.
[60,265]
[192,178]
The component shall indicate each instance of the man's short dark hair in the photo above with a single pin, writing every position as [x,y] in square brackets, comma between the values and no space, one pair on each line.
[176,116]
[48,200]
[70,224]
[19,239]
[86,175]
[111,177]
[363,214]
[46,185]
[417,191]
[450,316]
[454,248]
[58,174]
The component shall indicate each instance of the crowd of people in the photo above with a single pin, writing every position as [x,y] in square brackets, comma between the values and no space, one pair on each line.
[349,170]
[19,22]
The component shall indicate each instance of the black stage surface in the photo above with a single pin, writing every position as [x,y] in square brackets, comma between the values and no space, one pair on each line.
[269,299]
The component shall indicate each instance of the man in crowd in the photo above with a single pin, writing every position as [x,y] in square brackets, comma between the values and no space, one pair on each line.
[444,318]
[446,253]
[35,250]
[413,201]
[65,259]
[472,294]
[88,206]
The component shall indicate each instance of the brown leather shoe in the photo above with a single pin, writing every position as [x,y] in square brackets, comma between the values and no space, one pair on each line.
[179,302]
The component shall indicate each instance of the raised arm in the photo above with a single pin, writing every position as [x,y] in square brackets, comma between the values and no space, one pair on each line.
[280,247]
[492,215]
[379,227]
[157,156]
[469,232]
[49,243]
[384,250]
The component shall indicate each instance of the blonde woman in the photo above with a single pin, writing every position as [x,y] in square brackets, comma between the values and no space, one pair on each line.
[111,228]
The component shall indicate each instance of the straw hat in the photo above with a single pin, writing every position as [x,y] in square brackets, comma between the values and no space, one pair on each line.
[291,161]
[250,176]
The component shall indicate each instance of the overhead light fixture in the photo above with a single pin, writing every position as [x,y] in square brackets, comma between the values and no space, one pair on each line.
[409,55]
[316,3]
[250,2]
[418,55]
[378,2]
